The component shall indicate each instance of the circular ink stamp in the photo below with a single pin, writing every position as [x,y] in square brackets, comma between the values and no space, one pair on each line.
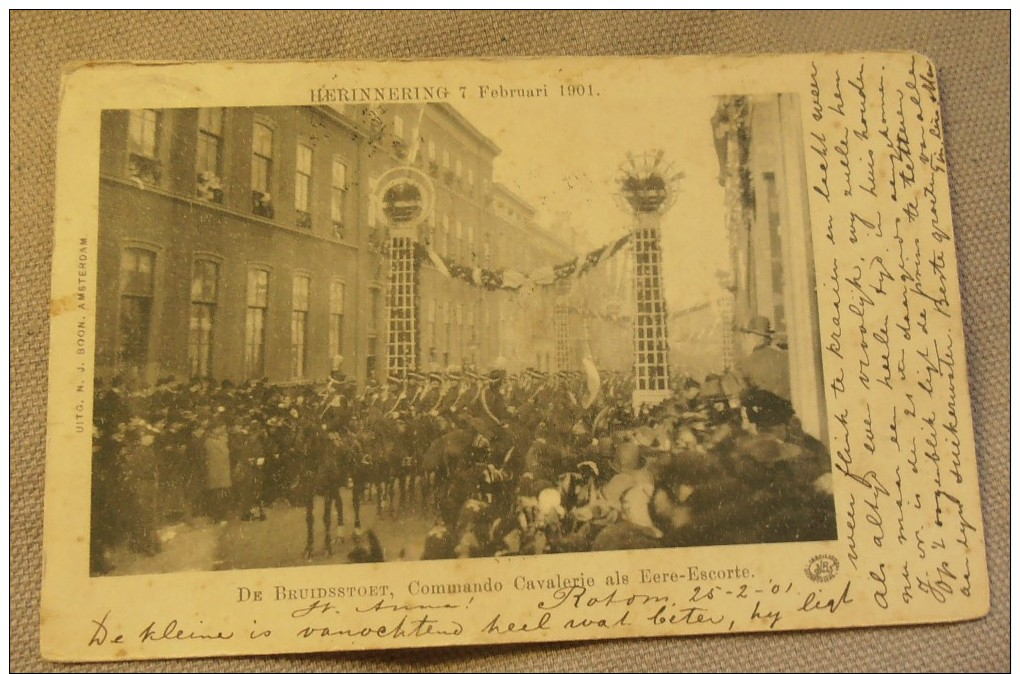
[822,568]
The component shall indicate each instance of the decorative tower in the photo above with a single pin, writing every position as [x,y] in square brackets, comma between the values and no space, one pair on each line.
[561,329]
[724,308]
[404,202]
[648,188]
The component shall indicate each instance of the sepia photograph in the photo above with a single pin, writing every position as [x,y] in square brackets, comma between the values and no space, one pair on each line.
[375,331]
[289,390]
[386,355]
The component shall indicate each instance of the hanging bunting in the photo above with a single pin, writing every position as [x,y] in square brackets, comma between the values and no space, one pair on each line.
[514,280]
[566,270]
[543,276]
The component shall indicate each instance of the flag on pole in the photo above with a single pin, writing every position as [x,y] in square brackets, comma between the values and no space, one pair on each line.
[436,261]
[592,382]
[412,154]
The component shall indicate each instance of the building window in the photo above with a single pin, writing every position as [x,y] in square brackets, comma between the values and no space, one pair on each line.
[262,170]
[210,154]
[298,326]
[136,286]
[338,189]
[459,332]
[398,127]
[458,168]
[471,176]
[433,308]
[204,282]
[303,185]
[472,332]
[337,292]
[143,132]
[471,243]
[446,158]
[143,145]
[449,335]
[456,246]
[375,296]
[776,249]
[371,359]
[255,323]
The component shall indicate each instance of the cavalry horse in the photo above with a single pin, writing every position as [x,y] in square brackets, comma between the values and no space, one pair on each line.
[410,450]
[319,474]
[441,462]
[452,465]
[329,459]
[372,469]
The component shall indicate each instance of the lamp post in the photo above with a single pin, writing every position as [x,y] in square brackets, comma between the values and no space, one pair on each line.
[647,188]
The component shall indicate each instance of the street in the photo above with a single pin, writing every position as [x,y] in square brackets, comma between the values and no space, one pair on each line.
[277,541]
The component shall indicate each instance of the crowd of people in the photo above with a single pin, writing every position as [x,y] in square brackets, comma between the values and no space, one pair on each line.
[502,463]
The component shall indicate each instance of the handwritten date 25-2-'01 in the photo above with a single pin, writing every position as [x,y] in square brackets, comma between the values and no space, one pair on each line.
[661,604]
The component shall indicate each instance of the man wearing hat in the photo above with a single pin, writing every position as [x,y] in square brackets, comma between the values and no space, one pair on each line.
[217,465]
[765,366]
[430,393]
[389,396]
[416,387]
[492,398]
[477,415]
[338,381]
[493,412]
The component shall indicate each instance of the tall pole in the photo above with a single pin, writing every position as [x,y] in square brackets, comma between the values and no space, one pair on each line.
[648,188]
[651,341]
[402,306]
[404,196]
[561,331]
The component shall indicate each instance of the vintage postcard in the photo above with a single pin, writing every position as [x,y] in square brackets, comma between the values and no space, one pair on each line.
[364,355]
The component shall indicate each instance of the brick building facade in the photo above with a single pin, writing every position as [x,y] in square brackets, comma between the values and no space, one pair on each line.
[240,243]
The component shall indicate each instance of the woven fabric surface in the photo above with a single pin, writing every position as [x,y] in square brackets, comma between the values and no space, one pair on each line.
[971,51]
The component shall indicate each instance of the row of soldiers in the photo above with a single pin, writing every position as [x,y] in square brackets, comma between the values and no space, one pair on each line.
[178,450]
[719,462]
[212,448]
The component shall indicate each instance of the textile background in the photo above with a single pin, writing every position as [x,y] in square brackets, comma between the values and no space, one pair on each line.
[971,52]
